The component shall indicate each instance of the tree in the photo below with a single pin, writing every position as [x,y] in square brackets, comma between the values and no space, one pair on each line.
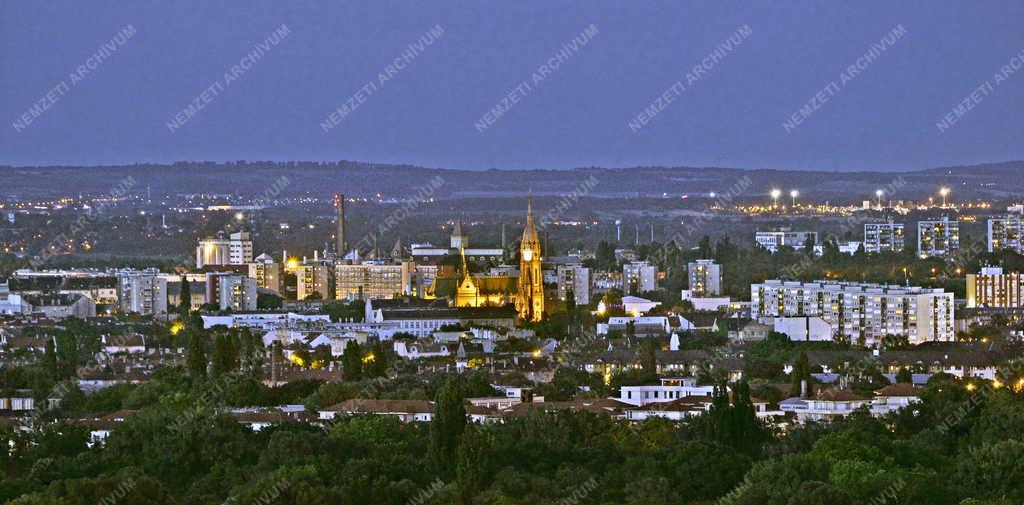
[904,376]
[196,359]
[268,301]
[704,247]
[605,255]
[225,354]
[185,300]
[570,310]
[473,465]
[50,359]
[649,354]
[446,428]
[801,372]
[352,361]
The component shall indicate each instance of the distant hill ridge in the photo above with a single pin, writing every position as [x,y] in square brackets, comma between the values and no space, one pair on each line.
[992,180]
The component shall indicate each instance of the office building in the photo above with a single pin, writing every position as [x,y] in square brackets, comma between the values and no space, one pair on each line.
[884,237]
[859,313]
[142,292]
[705,278]
[639,277]
[938,237]
[1005,233]
[784,237]
[993,288]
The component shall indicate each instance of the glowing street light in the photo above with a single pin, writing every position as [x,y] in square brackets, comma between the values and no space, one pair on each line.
[878,194]
[943,192]
[775,197]
[793,194]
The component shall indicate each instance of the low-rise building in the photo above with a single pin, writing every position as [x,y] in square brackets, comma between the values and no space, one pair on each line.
[406,411]
[785,237]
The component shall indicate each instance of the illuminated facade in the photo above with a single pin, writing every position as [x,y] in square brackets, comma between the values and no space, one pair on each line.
[705,278]
[372,280]
[236,249]
[312,279]
[530,293]
[884,237]
[993,288]
[860,313]
[267,272]
[938,238]
[1005,233]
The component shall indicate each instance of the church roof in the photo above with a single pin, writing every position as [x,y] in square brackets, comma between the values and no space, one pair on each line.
[447,286]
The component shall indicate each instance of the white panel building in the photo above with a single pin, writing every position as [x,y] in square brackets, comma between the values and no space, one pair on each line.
[639,277]
[142,292]
[860,313]
[1005,233]
[884,237]
[705,278]
[939,237]
[576,279]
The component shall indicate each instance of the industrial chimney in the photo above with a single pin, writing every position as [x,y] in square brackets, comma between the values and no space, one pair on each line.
[341,245]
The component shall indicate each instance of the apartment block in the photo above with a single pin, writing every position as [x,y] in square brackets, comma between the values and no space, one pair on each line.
[884,237]
[372,280]
[939,237]
[860,313]
[266,272]
[1005,233]
[705,278]
[639,277]
[576,279]
[313,279]
[142,292]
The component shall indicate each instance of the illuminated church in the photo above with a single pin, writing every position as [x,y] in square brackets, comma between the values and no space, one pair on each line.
[526,291]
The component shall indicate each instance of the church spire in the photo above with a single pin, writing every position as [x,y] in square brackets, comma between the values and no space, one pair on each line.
[530,230]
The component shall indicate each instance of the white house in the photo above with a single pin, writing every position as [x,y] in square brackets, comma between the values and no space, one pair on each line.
[123,344]
[669,390]
[635,305]
[894,397]
[642,325]
[831,404]
[421,349]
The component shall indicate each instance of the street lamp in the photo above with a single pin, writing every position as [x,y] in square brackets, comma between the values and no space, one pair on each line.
[793,194]
[943,192]
[775,197]
[878,194]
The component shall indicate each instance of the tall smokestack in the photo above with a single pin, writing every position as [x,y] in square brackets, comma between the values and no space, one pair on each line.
[341,245]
